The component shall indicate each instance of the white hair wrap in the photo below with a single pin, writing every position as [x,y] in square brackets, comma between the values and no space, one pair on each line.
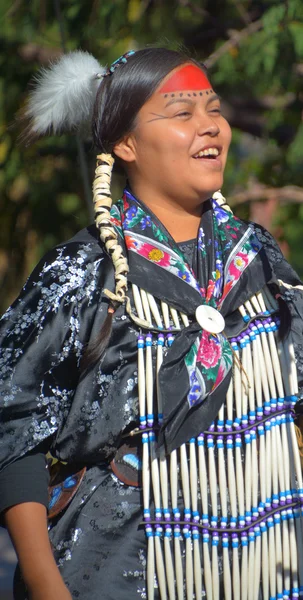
[64,94]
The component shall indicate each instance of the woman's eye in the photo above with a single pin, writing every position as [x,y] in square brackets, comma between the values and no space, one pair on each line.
[216,110]
[183,114]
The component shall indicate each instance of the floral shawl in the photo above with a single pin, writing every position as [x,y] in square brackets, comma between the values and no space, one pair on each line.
[228,272]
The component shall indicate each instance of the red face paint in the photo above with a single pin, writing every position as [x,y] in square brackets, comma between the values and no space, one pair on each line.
[188,78]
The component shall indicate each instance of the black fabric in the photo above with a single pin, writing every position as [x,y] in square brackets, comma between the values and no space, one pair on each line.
[98,543]
[231,266]
[163,284]
[24,480]
[188,249]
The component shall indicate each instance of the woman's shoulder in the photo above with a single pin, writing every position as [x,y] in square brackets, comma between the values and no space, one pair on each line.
[279,264]
[75,271]
[268,241]
[73,260]
[86,240]
[87,235]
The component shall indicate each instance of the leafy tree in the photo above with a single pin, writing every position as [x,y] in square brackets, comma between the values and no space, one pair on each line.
[254,51]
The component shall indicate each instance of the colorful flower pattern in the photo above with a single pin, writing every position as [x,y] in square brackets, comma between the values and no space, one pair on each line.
[201,242]
[161,255]
[209,359]
[209,351]
[149,251]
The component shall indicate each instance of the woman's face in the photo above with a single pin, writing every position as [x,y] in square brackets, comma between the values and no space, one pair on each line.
[180,141]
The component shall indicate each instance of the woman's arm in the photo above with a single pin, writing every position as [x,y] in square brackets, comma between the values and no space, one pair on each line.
[23,507]
[27,526]
[41,338]
[25,480]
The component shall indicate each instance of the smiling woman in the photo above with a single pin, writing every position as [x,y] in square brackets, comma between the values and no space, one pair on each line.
[154,355]
[176,153]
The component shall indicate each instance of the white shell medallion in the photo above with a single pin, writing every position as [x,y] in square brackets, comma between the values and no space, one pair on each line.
[210,319]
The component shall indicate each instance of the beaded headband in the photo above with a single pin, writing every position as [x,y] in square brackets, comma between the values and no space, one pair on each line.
[117,63]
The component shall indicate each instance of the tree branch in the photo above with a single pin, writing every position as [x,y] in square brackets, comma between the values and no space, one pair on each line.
[34,53]
[13,9]
[259,191]
[242,12]
[234,40]
[194,8]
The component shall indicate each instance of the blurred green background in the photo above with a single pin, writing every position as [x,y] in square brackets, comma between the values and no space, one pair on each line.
[254,52]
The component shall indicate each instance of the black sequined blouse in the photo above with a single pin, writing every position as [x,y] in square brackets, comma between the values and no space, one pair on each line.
[48,402]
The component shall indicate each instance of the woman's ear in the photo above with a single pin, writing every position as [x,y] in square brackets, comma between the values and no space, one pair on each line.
[125,149]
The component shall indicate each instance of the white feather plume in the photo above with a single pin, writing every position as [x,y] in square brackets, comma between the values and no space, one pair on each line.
[64,94]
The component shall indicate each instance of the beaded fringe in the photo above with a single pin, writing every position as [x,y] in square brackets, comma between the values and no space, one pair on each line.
[239,532]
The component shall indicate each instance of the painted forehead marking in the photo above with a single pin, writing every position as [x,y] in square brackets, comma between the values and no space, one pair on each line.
[188,78]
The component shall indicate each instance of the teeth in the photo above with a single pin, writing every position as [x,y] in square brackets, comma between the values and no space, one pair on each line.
[208,152]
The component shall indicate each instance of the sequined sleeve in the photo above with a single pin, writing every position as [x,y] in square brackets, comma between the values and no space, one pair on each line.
[42,338]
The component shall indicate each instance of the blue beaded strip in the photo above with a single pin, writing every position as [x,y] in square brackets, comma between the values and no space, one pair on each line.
[122,60]
[245,529]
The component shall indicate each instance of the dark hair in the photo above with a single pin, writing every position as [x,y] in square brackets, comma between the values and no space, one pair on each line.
[122,94]
[119,99]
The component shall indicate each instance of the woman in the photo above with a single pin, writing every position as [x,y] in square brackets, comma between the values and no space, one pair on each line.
[156,350]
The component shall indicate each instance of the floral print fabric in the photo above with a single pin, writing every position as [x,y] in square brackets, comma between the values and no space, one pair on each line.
[225,250]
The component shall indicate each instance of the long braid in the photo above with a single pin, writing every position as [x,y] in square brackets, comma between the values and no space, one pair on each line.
[108,235]
[221,201]
[102,205]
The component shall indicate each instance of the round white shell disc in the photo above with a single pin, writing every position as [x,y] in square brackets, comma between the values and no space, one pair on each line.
[210,319]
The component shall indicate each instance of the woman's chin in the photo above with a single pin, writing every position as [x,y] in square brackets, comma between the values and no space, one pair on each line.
[208,190]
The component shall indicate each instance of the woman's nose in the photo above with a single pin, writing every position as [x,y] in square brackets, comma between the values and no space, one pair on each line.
[208,126]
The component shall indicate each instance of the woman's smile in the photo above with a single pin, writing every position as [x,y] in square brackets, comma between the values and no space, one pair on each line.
[210,156]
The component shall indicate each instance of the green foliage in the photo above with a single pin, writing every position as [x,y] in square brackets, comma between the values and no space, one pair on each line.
[256,55]
[296,30]
[294,153]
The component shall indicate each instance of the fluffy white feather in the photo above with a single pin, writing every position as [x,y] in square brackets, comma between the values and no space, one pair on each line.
[64,94]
